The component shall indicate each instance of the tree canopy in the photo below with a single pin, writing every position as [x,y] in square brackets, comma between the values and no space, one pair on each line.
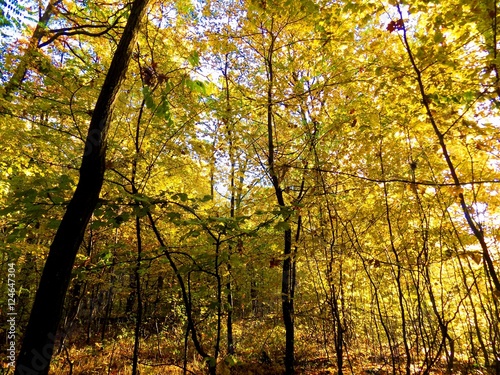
[287,186]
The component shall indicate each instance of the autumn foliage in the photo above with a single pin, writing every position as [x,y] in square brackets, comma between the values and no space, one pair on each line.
[305,186]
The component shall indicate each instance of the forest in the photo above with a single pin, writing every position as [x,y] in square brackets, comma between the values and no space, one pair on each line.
[250,187]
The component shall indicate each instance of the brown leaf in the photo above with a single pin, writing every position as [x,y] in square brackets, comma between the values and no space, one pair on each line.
[395,25]
[274,262]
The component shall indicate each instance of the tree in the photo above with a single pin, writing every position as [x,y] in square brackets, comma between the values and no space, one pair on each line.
[39,338]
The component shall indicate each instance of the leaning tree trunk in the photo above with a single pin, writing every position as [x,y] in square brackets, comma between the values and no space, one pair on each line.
[38,342]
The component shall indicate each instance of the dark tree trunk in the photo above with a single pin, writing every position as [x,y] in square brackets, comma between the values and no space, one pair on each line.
[229,128]
[288,274]
[139,313]
[287,288]
[38,342]
[186,297]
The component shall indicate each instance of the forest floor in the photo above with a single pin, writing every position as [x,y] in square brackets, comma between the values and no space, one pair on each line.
[116,359]
[86,363]
[262,356]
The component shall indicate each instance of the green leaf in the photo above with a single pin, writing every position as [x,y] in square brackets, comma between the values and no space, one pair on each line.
[210,361]
[182,196]
[142,198]
[96,224]
[194,58]
[282,226]
[57,199]
[7,210]
[230,360]
[53,223]
[195,86]
[206,198]
[438,37]
[194,233]
[65,182]
[148,98]
[173,215]
[163,109]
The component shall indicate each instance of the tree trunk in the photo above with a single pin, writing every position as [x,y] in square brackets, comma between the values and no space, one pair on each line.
[287,278]
[475,227]
[139,313]
[232,211]
[38,342]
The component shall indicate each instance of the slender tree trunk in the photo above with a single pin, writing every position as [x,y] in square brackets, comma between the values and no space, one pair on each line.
[138,317]
[475,321]
[230,337]
[333,296]
[137,269]
[253,290]
[475,227]
[399,270]
[110,293]
[287,277]
[191,327]
[232,209]
[90,317]
[213,364]
[37,347]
